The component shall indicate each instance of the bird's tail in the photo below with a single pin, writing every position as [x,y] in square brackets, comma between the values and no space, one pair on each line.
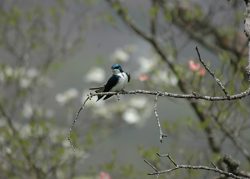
[98,90]
[107,96]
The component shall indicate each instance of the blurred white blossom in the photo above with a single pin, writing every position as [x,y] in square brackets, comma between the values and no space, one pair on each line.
[25,82]
[9,72]
[25,130]
[67,96]
[18,73]
[131,116]
[103,112]
[45,81]
[24,76]
[66,143]
[147,111]
[107,110]
[138,102]
[172,80]
[27,110]
[146,64]
[8,150]
[96,75]
[162,77]
[32,73]
[120,55]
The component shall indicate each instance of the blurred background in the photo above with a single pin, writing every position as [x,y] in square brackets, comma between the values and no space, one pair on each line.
[53,51]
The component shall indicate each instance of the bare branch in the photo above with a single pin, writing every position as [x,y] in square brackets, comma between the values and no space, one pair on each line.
[247,32]
[151,165]
[8,120]
[212,163]
[153,19]
[74,121]
[237,96]
[191,167]
[158,119]
[123,14]
[162,94]
[211,73]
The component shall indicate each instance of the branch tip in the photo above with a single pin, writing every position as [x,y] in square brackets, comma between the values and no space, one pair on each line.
[151,165]
[217,80]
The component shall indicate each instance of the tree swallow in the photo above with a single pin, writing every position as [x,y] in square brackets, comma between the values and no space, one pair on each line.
[116,82]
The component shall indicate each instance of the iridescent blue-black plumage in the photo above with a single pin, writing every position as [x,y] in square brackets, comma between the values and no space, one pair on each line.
[116,82]
[117,66]
[113,80]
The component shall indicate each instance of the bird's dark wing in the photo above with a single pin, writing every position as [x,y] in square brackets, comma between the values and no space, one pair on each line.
[113,80]
[128,76]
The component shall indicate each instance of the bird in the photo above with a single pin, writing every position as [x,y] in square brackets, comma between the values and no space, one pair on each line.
[116,82]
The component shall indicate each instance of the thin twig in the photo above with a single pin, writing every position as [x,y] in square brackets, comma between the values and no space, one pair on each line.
[212,73]
[153,18]
[168,156]
[8,119]
[75,119]
[151,165]
[247,33]
[212,163]
[158,119]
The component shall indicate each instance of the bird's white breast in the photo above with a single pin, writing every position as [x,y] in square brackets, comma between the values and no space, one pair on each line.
[123,80]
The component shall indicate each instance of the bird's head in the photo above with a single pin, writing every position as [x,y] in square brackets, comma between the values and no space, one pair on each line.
[116,68]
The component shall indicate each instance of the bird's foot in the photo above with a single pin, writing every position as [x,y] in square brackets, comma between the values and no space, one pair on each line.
[123,91]
[118,96]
